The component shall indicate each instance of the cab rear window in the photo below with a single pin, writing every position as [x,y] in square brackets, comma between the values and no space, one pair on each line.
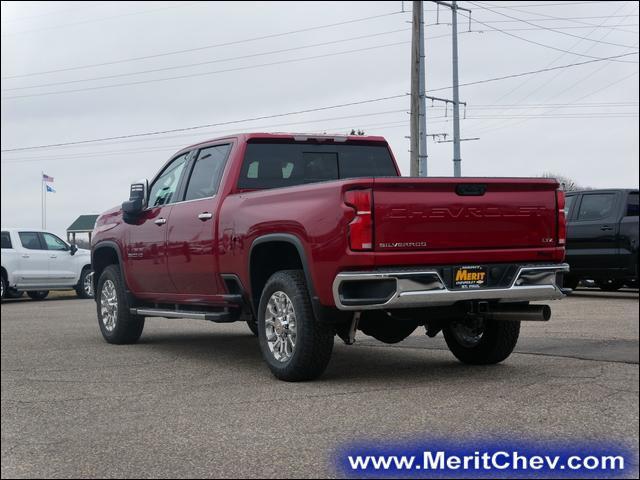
[273,165]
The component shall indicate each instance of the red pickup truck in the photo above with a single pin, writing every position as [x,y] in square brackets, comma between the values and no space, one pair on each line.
[306,237]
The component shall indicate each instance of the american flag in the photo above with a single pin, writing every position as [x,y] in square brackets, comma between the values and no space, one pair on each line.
[46,178]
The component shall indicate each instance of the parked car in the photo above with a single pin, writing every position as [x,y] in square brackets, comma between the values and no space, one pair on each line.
[36,261]
[602,238]
[307,237]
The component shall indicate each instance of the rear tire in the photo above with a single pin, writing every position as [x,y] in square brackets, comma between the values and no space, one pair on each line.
[84,289]
[305,345]
[116,322]
[495,342]
[569,281]
[610,285]
[38,294]
[4,287]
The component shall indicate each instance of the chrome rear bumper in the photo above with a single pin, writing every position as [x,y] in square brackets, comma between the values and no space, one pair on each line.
[425,287]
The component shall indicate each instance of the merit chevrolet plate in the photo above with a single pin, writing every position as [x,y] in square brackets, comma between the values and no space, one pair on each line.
[470,276]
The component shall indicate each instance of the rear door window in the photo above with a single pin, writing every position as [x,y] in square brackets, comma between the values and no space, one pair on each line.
[6,240]
[272,165]
[596,206]
[206,173]
[31,241]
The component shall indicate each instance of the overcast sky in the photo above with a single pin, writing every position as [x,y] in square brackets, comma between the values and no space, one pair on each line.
[581,122]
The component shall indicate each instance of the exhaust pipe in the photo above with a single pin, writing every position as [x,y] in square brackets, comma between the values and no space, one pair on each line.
[531,313]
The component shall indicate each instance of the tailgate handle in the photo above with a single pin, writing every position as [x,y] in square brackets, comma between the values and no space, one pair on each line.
[471,189]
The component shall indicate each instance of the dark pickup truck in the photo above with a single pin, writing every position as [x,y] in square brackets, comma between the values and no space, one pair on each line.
[309,236]
[602,238]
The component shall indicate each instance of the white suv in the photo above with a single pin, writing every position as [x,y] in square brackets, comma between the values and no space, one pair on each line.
[36,262]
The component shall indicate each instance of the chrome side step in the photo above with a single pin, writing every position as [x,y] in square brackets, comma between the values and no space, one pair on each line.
[221,317]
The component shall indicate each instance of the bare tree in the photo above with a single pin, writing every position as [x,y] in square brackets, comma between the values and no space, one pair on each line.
[356,132]
[567,184]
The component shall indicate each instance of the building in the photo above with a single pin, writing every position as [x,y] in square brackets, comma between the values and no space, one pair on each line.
[83,224]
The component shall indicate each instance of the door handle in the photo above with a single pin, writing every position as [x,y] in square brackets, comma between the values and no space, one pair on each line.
[160,221]
[25,256]
[204,216]
[53,256]
[605,228]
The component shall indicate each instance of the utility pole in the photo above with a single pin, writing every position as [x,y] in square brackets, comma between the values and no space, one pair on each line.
[457,158]
[415,86]
[457,170]
[422,155]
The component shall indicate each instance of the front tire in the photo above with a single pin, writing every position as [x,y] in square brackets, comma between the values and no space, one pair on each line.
[252,323]
[294,344]
[84,289]
[38,294]
[481,342]
[116,322]
[4,287]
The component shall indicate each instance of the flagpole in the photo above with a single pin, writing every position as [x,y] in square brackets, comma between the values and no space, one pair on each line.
[45,207]
[42,199]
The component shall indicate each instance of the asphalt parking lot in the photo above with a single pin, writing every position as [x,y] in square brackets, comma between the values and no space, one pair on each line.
[194,399]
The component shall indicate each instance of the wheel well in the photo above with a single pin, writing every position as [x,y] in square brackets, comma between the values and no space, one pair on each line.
[3,272]
[102,258]
[268,258]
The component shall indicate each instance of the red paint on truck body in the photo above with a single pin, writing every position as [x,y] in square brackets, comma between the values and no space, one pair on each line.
[415,222]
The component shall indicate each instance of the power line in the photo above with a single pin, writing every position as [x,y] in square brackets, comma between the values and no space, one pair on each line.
[609,85]
[544,5]
[471,108]
[220,60]
[214,72]
[504,77]
[562,115]
[551,29]
[75,8]
[196,127]
[559,57]
[539,43]
[55,27]
[532,29]
[180,146]
[516,75]
[206,47]
[551,18]
[67,82]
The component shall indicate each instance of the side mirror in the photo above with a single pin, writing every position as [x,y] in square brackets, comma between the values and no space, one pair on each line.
[73,249]
[137,202]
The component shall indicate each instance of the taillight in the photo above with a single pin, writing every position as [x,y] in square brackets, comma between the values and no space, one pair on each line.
[562,221]
[361,227]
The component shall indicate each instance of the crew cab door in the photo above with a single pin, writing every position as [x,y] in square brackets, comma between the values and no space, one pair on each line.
[592,233]
[62,270]
[146,246]
[33,263]
[191,235]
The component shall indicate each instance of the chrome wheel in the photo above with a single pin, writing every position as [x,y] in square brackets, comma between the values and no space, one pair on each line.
[468,332]
[87,285]
[109,305]
[280,326]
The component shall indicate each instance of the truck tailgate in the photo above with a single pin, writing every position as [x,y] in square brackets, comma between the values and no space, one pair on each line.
[413,214]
